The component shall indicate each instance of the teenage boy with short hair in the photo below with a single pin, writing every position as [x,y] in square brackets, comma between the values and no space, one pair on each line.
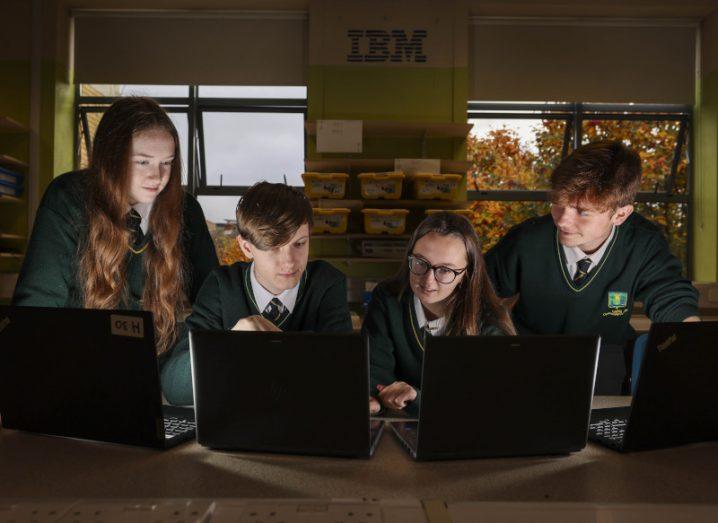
[581,268]
[276,290]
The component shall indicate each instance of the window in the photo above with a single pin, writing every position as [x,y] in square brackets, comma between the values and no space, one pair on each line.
[241,135]
[514,147]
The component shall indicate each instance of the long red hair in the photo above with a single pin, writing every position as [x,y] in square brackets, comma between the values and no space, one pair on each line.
[104,254]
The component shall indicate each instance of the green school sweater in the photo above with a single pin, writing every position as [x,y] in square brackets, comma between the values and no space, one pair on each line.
[396,342]
[636,266]
[50,273]
[226,297]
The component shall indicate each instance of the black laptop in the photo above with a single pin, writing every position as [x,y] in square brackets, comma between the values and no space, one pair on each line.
[492,396]
[676,399]
[298,393]
[88,374]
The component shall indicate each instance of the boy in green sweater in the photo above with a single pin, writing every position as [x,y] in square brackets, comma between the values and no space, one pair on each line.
[580,269]
[277,290]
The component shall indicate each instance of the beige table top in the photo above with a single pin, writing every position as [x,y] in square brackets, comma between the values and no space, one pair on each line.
[41,466]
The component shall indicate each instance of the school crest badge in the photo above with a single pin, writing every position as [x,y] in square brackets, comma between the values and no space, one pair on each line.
[617,303]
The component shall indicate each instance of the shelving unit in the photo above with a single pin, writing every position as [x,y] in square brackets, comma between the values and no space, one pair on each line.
[381,139]
[13,146]
[406,129]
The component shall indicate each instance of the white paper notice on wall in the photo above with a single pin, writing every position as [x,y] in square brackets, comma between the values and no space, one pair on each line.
[339,136]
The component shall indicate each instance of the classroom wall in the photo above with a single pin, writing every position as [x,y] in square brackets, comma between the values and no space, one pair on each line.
[705,190]
[585,60]
[410,91]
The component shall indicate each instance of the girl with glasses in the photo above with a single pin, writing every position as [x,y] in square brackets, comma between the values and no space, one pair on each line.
[441,289]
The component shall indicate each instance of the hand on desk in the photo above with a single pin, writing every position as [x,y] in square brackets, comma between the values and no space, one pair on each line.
[256,323]
[396,395]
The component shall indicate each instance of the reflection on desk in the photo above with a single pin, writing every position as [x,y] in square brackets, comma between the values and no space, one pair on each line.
[36,466]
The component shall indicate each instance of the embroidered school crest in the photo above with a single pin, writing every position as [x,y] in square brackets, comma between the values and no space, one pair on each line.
[617,302]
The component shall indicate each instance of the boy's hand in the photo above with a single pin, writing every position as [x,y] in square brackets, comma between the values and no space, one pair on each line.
[374,406]
[396,395]
[256,323]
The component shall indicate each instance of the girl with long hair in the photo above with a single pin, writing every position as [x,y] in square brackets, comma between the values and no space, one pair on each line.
[123,233]
[441,289]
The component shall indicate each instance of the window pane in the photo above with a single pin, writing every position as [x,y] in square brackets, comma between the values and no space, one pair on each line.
[516,154]
[154,91]
[181,124]
[655,142]
[244,148]
[673,220]
[252,91]
[222,223]
[93,119]
[493,219]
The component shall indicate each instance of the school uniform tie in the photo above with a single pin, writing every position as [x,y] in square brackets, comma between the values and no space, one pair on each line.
[276,312]
[137,237]
[581,273]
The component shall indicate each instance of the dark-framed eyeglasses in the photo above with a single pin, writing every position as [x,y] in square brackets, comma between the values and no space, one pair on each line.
[442,274]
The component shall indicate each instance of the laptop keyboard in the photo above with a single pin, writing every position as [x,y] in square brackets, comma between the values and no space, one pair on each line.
[609,431]
[175,426]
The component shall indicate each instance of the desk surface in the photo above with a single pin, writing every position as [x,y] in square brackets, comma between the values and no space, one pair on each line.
[42,466]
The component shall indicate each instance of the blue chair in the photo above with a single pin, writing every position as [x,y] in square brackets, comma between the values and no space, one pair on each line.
[639,351]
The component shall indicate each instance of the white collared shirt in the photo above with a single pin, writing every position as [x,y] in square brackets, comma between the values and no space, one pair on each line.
[144,210]
[434,327]
[574,254]
[262,296]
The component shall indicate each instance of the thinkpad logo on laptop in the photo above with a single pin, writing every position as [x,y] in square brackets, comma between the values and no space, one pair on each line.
[669,341]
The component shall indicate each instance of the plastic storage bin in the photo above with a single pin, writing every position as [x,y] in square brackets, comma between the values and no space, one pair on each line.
[381,185]
[333,221]
[436,186]
[379,221]
[325,185]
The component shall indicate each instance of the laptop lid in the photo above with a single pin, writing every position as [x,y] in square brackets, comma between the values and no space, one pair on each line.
[488,396]
[298,392]
[80,373]
[677,390]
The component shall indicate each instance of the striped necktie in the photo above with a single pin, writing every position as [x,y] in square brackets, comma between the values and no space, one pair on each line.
[276,312]
[581,273]
[134,221]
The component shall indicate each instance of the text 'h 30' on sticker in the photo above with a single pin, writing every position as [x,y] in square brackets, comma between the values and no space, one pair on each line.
[129,326]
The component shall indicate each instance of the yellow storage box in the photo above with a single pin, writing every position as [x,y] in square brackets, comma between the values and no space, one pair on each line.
[333,221]
[381,185]
[379,221]
[436,186]
[325,185]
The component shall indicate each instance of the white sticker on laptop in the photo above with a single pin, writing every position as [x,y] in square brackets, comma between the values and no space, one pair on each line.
[129,326]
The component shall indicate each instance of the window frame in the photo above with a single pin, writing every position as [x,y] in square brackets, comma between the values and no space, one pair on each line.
[194,107]
[574,113]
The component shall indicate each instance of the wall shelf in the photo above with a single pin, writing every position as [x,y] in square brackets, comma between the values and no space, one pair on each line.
[7,199]
[360,236]
[327,203]
[360,259]
[406,129]
[9,161]
[11,237]
[357,165]
[9,125]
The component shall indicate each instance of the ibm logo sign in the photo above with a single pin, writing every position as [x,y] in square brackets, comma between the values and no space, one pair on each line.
[386,46]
